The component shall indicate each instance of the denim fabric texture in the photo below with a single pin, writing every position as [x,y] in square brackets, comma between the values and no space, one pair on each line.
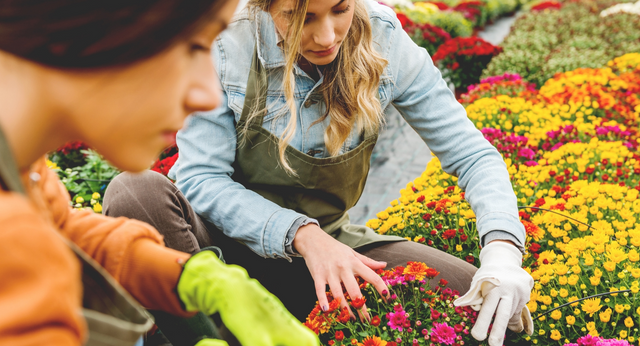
[411,83]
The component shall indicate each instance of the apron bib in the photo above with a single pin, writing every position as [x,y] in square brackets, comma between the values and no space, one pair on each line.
[325,188]
[113,317]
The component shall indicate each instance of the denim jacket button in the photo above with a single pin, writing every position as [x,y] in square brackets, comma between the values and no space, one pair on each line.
[307,104]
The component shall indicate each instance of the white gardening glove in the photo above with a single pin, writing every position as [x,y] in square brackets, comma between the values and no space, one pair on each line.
[499,287]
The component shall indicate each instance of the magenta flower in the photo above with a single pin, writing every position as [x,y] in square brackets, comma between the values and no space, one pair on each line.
[527,153]
[442,333]
[553,148]
[613,342]
[588,340]
[397,319]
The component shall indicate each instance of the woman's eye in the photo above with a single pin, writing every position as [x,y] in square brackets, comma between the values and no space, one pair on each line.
[346,9]
[196,47]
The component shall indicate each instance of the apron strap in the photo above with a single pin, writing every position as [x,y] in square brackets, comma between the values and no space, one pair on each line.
[9,175]
[256,94]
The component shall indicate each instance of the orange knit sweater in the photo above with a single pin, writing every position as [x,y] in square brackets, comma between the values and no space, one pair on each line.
[40,283]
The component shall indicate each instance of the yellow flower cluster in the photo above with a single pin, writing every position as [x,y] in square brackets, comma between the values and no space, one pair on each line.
[626,63]
[583,229]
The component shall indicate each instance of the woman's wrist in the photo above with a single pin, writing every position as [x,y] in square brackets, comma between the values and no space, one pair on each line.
[306,236]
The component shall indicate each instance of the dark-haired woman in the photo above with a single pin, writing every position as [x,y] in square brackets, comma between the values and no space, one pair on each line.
[121,76]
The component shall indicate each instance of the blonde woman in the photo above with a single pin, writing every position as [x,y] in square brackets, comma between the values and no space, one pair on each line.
[270,175]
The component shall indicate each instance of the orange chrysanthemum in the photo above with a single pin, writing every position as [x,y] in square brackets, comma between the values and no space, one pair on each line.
[417,269]
[533,230]
[372,341]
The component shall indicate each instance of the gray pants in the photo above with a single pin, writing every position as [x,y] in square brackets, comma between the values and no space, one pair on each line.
[152,198]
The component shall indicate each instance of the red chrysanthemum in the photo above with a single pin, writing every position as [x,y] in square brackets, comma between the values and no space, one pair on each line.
[358,303]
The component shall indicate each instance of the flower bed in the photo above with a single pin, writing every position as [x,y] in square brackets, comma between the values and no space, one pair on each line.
[456,18]
[543,43]
[572,153]
[416,313]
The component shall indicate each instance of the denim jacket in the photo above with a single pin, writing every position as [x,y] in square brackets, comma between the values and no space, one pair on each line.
[410,82]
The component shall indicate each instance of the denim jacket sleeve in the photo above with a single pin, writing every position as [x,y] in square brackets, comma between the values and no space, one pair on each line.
[203,173]
[423,98]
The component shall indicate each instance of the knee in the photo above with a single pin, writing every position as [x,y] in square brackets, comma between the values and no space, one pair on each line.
[129,193]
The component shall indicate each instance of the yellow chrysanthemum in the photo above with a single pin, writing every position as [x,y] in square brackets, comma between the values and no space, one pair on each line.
[591,306]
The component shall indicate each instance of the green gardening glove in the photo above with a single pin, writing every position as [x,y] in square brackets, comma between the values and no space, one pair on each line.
[212,342]
[255,316]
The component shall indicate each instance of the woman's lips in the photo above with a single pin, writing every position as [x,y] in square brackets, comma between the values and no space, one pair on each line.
[324,52]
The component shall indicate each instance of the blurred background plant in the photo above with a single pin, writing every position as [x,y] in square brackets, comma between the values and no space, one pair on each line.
[84,173]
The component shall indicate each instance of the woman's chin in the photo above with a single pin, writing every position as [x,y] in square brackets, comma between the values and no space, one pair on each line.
[131,161]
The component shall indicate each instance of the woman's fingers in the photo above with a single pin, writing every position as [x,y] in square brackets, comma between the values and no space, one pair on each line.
[353,289]
[373,264]
[336,291]
[321,293]
[374,279]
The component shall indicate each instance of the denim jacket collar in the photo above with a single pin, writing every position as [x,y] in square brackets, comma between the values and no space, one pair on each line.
[269,52]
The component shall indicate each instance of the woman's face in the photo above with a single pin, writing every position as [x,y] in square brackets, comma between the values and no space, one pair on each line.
[130,114]
[326,25]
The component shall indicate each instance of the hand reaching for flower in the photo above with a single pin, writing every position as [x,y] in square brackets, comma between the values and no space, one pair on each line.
[332,263]
[500,288]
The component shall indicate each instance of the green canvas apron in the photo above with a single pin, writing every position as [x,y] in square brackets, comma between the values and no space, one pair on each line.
[113,317]
[325,188]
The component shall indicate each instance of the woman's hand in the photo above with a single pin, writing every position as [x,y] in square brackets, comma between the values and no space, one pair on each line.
[331,263]
[500,290]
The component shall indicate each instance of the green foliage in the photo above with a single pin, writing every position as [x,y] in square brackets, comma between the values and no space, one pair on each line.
[88,178]
[452,22]
[544,43]
[498,8]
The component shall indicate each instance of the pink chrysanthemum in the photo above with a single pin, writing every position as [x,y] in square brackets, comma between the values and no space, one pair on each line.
[442,333]
[397,319]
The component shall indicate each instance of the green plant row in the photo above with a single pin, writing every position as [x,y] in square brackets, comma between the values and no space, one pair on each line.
[544,43]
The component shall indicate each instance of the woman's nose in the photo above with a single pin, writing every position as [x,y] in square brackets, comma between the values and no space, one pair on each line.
[204,95]
[325,35]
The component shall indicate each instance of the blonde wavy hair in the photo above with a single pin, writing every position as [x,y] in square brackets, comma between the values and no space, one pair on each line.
[351,81]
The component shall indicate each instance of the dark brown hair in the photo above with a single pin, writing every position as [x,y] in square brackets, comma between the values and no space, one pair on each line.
[97,33]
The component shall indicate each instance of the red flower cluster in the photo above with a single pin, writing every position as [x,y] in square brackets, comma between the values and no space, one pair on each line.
[441,5]
[465,46]
[71,147]
[471,10]
[163,166]
[547,5]
[462,59]
[428,36]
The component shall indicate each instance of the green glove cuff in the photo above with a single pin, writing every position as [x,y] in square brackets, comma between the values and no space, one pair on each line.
[206,283]
[212,342]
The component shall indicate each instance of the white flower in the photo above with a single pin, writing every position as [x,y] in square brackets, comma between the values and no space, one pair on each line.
[633,8]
